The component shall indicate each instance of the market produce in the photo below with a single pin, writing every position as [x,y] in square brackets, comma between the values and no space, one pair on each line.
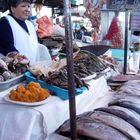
[127,114]
[93,129]
[123,126]
[32,92]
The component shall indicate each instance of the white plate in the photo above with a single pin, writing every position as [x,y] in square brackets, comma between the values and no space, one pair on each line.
[6,98]
[89,77]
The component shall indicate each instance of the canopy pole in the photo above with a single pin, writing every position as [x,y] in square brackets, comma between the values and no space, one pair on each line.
[70,68]
[125,42]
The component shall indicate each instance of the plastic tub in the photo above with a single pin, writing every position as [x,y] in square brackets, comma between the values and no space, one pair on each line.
[11,82]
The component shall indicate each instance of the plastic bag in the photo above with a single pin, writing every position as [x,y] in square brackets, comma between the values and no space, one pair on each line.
[59,30]
[45,27]
[43,55]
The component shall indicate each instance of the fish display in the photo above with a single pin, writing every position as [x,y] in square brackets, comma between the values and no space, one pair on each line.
[127,114]
[119,120]
[132,87]
[127,103]
[85,65]
[116,122]
[94,129]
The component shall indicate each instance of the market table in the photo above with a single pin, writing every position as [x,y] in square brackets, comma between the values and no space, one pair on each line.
[19,122]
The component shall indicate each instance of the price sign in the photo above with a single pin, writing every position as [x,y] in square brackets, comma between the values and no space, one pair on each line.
[121,4]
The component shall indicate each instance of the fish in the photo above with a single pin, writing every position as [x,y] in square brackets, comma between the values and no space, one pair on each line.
[127,103]
[118,123]
[123,94]
[128,115]
[94,129]
[128,97]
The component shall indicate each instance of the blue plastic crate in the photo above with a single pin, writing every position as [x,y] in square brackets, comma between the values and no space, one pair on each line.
[60,92]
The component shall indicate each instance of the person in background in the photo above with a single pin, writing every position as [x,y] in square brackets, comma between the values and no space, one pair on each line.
[135,38]
[17,34]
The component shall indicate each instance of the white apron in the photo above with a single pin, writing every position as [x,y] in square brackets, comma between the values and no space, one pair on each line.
[25,43]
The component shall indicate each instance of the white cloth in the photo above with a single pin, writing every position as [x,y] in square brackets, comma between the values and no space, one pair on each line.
[33,123]
[25,43]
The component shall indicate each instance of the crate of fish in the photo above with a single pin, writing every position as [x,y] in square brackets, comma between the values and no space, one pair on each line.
[56,90]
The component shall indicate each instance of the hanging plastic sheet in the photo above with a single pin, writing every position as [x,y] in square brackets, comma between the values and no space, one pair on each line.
[115,35]
[45,27]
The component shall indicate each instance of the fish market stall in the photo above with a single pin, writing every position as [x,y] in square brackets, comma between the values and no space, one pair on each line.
[115,116]
[38,121]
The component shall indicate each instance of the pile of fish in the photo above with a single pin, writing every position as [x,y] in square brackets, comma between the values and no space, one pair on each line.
[12,65]
[120,120]
[85,64]
[60,79]
[88,62]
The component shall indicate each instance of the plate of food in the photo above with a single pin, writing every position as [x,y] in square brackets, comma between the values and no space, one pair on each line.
[31,94]
[7,98]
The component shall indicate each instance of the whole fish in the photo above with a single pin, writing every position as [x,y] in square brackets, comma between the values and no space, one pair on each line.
[95,129]
[116,122]
[126,95]
[131,90]
[127,103]
[127,114]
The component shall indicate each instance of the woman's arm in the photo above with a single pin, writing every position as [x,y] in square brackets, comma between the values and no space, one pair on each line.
[6,37]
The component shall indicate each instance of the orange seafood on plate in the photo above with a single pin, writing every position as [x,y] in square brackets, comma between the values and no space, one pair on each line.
[32,92]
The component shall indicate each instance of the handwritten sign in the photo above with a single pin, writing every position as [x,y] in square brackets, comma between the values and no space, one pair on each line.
[135,21]
[121,4]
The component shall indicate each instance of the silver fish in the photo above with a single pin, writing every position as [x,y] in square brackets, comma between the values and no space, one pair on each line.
[116,122]
[127,103]
[95,129]
[127,114]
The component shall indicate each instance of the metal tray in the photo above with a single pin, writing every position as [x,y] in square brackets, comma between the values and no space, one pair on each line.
[9,83]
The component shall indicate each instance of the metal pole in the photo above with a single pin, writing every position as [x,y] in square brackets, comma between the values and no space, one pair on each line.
[126,42]
[70,68]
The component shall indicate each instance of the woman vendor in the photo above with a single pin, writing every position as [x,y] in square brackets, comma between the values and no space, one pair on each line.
[16,32]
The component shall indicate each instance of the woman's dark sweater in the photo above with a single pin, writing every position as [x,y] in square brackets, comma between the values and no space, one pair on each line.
[6,35]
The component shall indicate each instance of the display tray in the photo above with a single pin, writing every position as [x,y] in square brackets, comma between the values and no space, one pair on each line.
[9,83]
[6,98]
[60,92]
